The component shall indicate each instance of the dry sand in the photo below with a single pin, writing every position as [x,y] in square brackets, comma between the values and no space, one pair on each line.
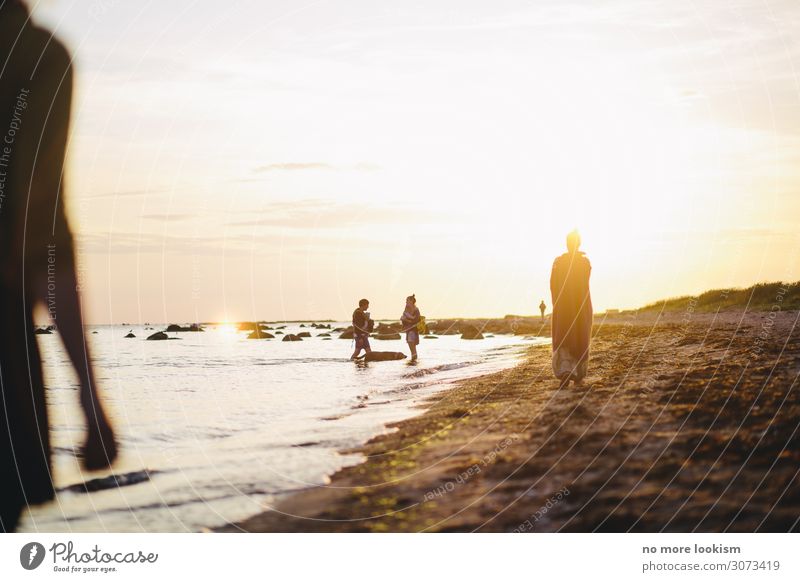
[686,422]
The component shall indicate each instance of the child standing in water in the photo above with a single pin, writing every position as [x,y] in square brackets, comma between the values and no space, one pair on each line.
[362,326]
[410,319]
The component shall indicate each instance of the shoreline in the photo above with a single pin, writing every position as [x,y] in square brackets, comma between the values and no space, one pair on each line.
[685,423]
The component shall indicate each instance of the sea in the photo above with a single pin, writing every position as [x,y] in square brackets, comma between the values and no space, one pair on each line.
[214,427]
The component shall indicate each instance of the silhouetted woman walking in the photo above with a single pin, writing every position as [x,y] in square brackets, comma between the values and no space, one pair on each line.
[37,264]
[572,312]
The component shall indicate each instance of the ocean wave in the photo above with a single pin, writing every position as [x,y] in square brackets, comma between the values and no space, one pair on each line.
[443,368]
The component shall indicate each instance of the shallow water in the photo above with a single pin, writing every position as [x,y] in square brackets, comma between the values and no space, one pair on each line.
[224,424]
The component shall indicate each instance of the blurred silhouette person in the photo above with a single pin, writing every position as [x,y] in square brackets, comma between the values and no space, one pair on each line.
[572,312]
[410,320]
[362,326]
[542,307]
[38,264]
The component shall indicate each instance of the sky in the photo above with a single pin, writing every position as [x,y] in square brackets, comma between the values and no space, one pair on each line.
[280,160]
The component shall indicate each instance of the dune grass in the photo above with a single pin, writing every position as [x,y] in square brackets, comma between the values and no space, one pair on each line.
[759,297]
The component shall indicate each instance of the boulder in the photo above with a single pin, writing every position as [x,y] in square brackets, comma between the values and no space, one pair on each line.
[260,334]
[347,334]
[279,333]
[431,337]
[383,356]
[470,332]
[525,328]
[130,334]
[176,327]
[159,335]
[387,336]
[383,328]
[449,332]
[304,334]
[326,334]
[290,337]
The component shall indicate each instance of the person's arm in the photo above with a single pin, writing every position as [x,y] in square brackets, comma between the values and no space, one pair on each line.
[359,321]
[48,225]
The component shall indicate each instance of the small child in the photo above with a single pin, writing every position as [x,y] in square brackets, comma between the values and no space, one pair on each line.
[410,319]
[362,325]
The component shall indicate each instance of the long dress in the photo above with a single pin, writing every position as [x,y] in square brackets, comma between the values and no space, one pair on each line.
[572,315]
[35,93]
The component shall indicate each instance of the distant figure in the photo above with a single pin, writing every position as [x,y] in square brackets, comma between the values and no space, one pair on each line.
[38,263]
[572,312]
[542,307]
[410,319]
[362,326]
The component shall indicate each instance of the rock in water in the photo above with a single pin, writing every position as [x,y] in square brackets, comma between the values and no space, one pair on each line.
[159,335]
[304,334]
[290,337]
[130,334]
[470,332]
[347,334]
[384,356]
[260,334]
[387,336]
[193,327]
[111,482]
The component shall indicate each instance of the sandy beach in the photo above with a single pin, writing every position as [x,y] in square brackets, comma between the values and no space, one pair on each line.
[686,422]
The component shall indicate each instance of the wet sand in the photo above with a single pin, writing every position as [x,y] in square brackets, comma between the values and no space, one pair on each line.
[686,422]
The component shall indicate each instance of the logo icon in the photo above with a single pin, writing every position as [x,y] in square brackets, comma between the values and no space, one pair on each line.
[31,555]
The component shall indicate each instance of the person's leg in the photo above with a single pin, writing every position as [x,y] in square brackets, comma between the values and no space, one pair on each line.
[10,512]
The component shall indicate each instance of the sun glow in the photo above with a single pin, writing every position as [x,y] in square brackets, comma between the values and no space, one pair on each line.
[228,330]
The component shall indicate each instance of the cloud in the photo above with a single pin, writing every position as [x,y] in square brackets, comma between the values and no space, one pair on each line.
[293,166]
[127,193]
[305,166]
[168,217]
[319,214]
